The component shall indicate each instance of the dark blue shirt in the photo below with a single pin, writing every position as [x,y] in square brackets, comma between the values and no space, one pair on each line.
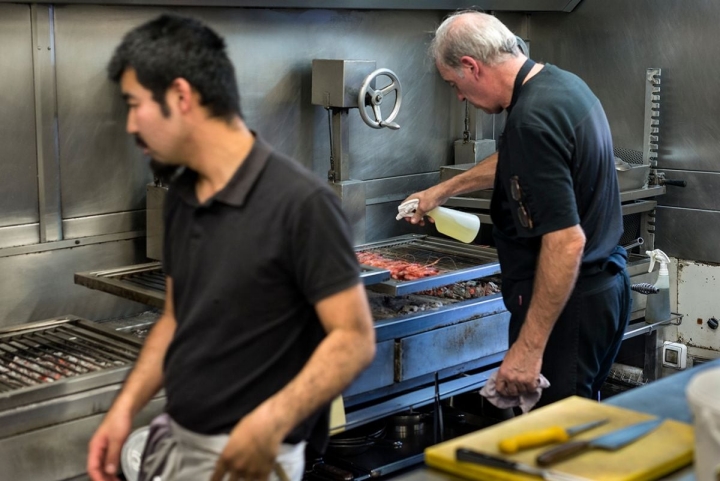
[555,170]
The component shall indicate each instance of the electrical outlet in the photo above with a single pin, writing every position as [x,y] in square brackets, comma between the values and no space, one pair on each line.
[674,355]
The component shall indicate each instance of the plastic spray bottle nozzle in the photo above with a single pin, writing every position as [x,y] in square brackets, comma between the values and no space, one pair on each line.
[661,257]
[663,280]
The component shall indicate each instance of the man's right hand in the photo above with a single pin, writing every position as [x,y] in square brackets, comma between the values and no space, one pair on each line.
[428,201]
[105,445]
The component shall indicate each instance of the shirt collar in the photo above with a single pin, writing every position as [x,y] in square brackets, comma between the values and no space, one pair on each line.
[240,184]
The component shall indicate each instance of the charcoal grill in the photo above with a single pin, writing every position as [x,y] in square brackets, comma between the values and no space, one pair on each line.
[60,356]
[454,261]
[57,379]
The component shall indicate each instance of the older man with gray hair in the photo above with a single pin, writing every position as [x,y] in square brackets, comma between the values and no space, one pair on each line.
[555,209]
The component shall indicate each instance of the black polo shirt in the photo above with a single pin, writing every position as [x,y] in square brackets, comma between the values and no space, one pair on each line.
[248,266]
[555,170]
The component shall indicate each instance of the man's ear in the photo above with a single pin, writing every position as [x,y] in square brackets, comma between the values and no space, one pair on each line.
[471,65]
[181,93]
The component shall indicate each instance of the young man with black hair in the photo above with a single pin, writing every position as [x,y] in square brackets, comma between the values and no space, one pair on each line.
[265,320]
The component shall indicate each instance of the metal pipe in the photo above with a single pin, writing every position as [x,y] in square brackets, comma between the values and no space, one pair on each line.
[637,242]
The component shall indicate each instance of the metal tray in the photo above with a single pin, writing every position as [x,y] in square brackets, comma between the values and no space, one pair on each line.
[145,283]
[455,261]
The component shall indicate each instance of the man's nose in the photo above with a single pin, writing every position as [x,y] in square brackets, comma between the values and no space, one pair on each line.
[130,126]
[460,97]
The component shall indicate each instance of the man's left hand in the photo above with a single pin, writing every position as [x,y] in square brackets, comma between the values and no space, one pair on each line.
[519,372]
[251,450]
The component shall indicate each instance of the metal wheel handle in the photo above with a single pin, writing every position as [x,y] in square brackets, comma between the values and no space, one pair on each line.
[369,96]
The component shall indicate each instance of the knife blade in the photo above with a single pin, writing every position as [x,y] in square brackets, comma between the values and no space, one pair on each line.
[483,459]
[609,442]
[554,434]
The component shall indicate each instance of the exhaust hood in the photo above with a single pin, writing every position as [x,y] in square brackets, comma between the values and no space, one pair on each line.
[449,5]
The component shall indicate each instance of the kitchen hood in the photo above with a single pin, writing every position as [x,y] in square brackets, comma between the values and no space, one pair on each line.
[487,5]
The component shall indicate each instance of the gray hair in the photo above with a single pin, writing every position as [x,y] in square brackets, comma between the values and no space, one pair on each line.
[474,34]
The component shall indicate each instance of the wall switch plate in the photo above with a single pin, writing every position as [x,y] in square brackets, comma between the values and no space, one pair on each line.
[674,355]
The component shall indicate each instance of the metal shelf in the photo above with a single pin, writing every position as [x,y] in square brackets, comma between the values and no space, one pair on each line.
[627,196]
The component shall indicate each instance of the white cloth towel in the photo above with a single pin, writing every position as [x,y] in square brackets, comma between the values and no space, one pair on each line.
[525,401]
[407,209]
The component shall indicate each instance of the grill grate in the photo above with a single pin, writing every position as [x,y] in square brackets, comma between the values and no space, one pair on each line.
[149,279]
[425,257]
[40,356]
[142,282]
[419,263]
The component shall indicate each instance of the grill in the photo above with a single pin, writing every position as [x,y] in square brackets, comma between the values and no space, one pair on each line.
[57,379]
[52,353]
[57,353]
[453,262]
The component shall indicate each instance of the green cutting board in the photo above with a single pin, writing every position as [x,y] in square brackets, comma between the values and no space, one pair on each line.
[664,450]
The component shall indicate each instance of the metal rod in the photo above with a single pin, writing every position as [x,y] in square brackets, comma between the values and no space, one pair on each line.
[637,242]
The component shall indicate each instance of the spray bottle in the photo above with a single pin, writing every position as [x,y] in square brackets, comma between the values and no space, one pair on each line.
[658,305]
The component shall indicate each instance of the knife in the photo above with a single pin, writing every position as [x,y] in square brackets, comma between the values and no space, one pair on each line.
[476,457]
[554,434]
[610,442]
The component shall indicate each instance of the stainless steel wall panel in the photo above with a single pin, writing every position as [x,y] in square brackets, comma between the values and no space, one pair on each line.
[19,235]
[699,193]
[688,233]
[275,80]
[102,170]
[40,285]
[18,166]
[44,62]
[398,188]
[273,51]
[381,223]
[104,224]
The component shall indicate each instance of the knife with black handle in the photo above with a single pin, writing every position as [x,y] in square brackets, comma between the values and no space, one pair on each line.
[476,457]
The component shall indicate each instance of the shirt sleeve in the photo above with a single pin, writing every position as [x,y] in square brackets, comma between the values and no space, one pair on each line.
[322,249]
[543,197]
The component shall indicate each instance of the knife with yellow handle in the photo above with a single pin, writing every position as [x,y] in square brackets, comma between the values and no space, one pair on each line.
[554,434]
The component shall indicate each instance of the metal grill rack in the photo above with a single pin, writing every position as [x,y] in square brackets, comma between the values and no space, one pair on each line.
[41,360]
[145,283]
[454,261]
[54,354]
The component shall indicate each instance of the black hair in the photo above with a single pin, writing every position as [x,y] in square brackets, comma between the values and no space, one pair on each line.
[172,47]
